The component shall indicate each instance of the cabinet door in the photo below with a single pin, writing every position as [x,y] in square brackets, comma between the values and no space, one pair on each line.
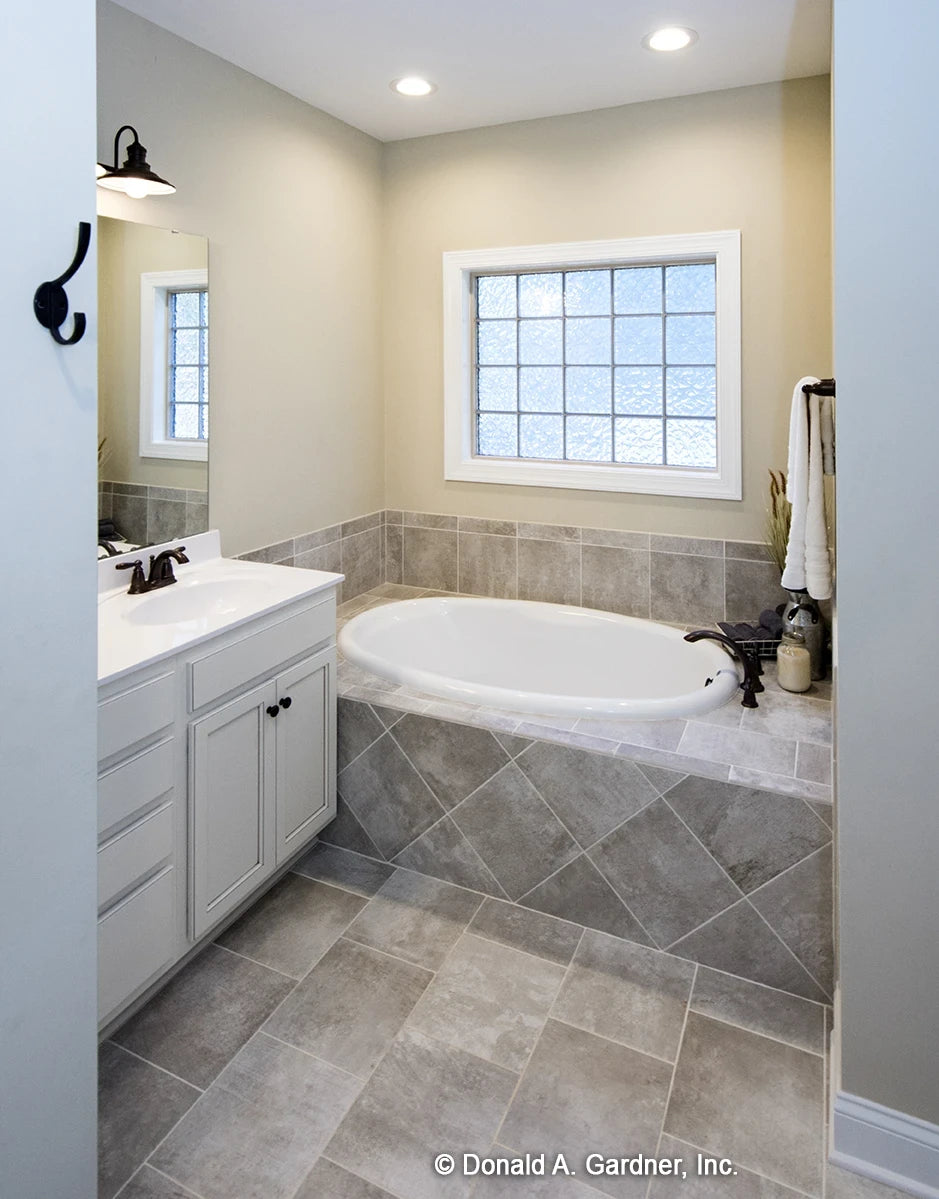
[306,750]
[231,785]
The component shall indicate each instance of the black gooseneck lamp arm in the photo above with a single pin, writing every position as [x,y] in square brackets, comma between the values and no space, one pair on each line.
[750,662]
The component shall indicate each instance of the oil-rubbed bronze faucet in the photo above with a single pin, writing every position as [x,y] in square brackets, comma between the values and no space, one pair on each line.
[161,571]
[749,661]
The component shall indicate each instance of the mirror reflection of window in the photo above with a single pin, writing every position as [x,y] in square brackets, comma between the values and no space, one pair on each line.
[187,396]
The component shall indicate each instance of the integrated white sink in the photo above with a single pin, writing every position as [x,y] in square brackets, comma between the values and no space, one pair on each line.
[202,599]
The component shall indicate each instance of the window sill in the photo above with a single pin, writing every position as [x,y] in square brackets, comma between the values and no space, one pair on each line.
[183,451]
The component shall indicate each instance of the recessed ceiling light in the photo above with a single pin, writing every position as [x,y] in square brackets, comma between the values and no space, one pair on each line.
[412,85]
[673,37]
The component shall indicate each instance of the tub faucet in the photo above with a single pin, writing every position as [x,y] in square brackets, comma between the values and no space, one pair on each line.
[749,661]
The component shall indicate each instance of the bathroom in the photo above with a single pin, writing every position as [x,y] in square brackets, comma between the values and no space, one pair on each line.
[325,243]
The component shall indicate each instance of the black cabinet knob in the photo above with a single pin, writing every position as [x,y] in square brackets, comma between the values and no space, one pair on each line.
[273,710]
[286,702]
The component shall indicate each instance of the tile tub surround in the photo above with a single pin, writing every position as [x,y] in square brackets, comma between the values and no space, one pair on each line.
[147,514]
[516,1032]
[730,876]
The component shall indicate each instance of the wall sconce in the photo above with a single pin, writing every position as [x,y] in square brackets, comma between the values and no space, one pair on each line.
[135,177]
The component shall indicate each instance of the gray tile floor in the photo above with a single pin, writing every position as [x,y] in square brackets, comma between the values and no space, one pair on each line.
[360,1019]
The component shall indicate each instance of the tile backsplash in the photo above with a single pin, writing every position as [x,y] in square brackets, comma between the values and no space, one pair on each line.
[148,515]
[683,580]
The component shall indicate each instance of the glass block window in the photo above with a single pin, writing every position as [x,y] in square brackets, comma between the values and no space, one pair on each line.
[187,376]
[614,365]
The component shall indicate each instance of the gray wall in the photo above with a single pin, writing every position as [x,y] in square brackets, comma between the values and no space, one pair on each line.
[886,96]
[47,615]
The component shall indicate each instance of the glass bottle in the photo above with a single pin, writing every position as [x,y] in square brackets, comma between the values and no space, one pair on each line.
[793,663]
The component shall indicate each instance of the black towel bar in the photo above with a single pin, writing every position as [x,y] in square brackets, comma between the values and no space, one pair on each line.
[824,387]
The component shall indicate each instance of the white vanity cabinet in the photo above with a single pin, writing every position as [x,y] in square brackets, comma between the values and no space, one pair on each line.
[216,767]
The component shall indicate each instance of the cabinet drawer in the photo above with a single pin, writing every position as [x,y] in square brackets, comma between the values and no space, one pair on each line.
[134,853]
[136,940]
[259,653]
[134,784]
[134,715]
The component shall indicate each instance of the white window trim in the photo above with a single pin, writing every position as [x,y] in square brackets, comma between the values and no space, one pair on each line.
[153,332]
[460,462]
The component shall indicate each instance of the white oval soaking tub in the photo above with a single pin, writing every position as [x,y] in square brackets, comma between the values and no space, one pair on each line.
[540,658]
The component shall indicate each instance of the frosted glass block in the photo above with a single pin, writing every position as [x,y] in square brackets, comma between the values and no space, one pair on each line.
[495,388]
[186,308]
[587,340]
[204,345]
[587,293]
[590,439]
[541,437]
[540,295]
[637,289]
[495,342]
[638,339]
[186,347]
[495,295]
[691,443]
[185,420]
[204,391]
[690,288]
[637,390]
[203,422]
[497,436]
[204,312]
[184,382]
[589,388]
[689,339]
[638,439]
[691,390]
[539,342]
[541,388]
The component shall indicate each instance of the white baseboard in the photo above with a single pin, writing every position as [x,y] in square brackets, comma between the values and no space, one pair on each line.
[885,1145]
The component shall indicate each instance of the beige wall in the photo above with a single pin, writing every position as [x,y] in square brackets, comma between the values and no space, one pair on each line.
[754,159]
[125,251]
[289,199]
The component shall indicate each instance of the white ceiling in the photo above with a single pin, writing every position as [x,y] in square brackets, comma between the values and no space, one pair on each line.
[496,60]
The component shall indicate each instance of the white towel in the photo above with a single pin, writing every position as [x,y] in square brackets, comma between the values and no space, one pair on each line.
[808,566]
[828,434]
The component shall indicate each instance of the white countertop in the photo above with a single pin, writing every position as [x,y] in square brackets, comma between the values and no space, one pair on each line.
[212,594]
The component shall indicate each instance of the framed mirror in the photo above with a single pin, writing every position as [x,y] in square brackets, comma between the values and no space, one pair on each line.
[153,385]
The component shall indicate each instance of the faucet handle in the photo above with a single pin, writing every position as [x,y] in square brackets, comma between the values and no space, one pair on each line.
[138,583]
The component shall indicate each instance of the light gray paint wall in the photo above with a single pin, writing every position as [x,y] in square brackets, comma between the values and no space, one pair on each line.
[47,614]
[886,95]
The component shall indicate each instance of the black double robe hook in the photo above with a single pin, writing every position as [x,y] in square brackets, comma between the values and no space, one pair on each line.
[50,303]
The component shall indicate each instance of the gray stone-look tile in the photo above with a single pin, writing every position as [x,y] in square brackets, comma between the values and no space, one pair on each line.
[748,551]
[739,748]
[616,537]
[350,1006]
[129,513]
[488,565]
[591,793]
[813,762]
[616,580]
[782,783]
[415,918]
[645,755]
[197,518]
[663,874]
[781,714]
[513,745]
[292,925]
[549,571]
[315,539]
[259,1129]
[360,524]
[514,831]
[686,588]
[423,1095]
[702,547]
[755,835]
[445,853]
[394,516]
[628,993]
[148,1183]
[166,519]
[823,811]
[661,779]
[361,556]
[750,588]
[551,1186]
[203,1016]
[166,493]
[580,893]
[548,532]
[358,728]
[650,734]
[388,797]
[345,832]
[351,871]
[538,934]
[798,904]
[394,553]
[388,716]
[271,553]
[430,559]
[489,1000]
[843,1184]
[580,1090]
[496,528]
[328,1181]
[759,1009]
[751,1099]
[739,942]
[453,759]
[741,1184]
[429,520]
[137,1106]
[324,557]
[129,488]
